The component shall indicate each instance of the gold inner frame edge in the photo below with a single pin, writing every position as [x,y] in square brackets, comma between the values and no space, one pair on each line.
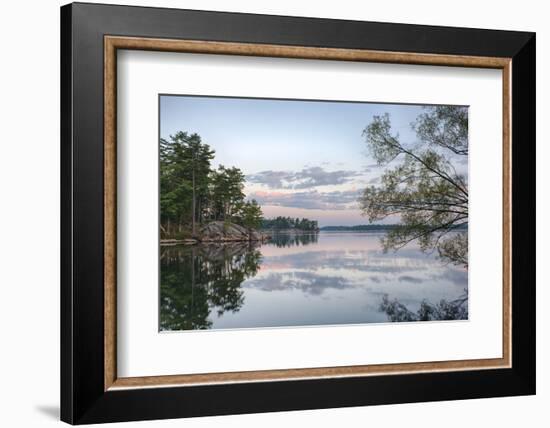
[113,43]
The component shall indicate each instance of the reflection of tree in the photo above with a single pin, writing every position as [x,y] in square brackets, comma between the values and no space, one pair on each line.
[294,239]
[444,310]
[199,279]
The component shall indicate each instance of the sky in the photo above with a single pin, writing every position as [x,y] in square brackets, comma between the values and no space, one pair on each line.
[300,158]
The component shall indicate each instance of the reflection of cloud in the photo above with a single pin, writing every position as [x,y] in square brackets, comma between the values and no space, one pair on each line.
[412,279]
[363,267]
[336,200]
[306,178]
[407,260]
[456,276]
[307,282]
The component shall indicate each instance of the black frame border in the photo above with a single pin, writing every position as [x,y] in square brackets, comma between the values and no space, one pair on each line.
[83,399]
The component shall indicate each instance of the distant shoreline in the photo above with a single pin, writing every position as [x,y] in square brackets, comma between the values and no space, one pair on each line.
[370,228]
[289,231]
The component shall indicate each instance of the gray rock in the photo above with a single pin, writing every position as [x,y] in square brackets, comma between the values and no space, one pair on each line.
[219,231]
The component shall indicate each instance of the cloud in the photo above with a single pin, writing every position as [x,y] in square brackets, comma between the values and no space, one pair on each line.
[272,179]
[312,199]
[307,178]
[404,266]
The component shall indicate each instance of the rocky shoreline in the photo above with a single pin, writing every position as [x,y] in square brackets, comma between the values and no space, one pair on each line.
[219,231]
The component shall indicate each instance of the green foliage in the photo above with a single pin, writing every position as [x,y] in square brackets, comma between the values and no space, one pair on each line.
[445,127]
[226,193]
[455,249]
[284,223]
[420,184]
[184,180]
[192,192]
[251,215]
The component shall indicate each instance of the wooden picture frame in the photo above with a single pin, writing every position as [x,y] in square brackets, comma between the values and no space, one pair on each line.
[91,390]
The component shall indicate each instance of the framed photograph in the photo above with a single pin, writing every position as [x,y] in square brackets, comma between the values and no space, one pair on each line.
[265,213]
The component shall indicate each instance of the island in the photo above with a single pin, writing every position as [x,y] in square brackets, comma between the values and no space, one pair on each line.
[202,204]
[289,225]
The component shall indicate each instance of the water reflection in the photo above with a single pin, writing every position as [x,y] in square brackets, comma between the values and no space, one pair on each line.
[280,239]
[199,280]
[441,311]
[298,280]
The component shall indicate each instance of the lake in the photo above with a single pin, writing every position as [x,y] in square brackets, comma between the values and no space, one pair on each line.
[322,278]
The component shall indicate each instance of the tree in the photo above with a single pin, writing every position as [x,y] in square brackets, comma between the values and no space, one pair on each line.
[420,183]
[234,192]
[227,186]
[191,191]
[251,215]
[184,177]
[281,223]
[218,191]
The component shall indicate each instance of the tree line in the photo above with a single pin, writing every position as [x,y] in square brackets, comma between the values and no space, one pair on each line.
[193,192]
[281,223]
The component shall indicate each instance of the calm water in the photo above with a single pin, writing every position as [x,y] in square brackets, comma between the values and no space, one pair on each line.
[316,279]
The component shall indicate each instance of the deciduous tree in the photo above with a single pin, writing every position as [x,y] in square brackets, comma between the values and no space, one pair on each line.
[421,184]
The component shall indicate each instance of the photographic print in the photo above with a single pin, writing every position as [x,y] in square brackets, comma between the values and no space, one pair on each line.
[289,213]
